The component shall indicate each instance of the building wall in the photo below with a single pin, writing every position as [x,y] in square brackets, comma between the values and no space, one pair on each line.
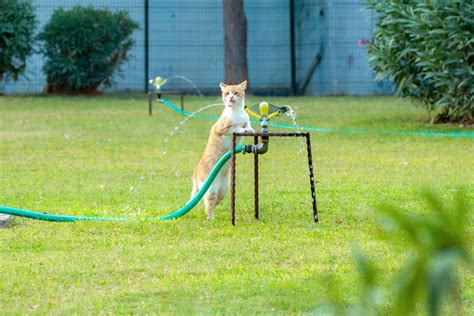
[333,29]
[186,39]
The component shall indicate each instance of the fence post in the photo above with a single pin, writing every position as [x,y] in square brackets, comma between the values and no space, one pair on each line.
[292,47]
[146,46]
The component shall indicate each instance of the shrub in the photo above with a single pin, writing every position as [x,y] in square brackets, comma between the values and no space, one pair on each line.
[84,47]
[17,24]
[427,48]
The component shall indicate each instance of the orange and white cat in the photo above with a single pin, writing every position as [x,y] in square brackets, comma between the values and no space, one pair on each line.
[233,119]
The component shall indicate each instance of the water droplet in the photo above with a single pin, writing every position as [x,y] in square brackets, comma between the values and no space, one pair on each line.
[176,128]
[188,81]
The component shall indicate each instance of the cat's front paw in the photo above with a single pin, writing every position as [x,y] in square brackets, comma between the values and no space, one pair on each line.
[249,130]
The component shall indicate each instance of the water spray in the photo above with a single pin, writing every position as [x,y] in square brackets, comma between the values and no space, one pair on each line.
[159,82]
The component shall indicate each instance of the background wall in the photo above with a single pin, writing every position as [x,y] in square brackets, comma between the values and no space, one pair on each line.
[186,38]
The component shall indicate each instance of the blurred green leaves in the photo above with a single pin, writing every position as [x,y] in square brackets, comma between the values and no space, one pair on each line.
[426,48]
[439,246]
[17,24]
[84,47]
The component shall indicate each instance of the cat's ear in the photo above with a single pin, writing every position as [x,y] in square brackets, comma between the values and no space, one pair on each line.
[243,85]
[223,86]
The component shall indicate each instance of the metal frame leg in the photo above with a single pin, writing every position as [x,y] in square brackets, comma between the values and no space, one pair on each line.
[232,180]
[150,100]
[311,178]
[255,170]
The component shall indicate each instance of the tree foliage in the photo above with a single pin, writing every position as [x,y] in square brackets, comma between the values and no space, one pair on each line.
[426,47]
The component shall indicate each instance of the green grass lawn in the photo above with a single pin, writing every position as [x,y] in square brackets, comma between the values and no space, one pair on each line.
[104,156]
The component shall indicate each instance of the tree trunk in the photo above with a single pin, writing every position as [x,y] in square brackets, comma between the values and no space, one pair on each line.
[235,42]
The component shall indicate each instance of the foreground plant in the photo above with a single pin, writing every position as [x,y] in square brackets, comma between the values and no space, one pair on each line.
[439,247]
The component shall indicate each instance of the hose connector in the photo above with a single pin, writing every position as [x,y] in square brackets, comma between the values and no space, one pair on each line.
[258,149]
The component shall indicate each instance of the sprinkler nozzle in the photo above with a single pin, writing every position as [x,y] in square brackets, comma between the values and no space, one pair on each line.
[158,82]
[284,109]
[266,113]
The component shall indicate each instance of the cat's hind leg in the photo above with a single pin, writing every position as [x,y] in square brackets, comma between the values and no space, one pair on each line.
[210,203]
[223,188]
[212,198]
[216,194]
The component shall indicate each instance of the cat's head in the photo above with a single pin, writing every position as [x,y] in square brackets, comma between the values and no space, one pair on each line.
[234,95]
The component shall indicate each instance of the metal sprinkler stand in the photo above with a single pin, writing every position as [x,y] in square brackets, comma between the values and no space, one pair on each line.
[158,95]
[265,135]
[159,82]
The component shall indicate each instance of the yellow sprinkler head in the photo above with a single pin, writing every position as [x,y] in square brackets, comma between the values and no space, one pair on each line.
[265,111]
[158,82]
[252,114]
[263,108]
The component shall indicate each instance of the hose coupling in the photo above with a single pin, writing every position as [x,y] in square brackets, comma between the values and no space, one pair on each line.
[259,148]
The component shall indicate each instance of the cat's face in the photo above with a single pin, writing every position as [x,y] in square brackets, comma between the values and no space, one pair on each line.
[233,96]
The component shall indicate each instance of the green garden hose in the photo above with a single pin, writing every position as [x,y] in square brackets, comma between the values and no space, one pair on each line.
[182,211]
[169,104]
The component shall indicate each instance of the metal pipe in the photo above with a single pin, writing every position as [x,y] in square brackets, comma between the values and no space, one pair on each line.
[255,171]
[311,178]
[232,180]
[150,100]
[259,148]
